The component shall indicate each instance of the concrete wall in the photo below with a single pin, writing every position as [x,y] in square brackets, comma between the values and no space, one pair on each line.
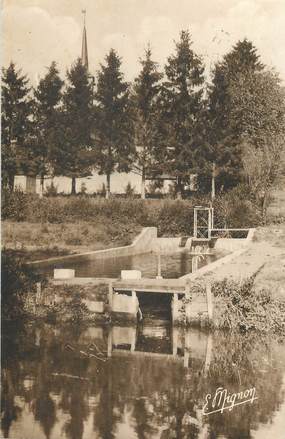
[166,245]
[225,244]
[230,244]
[121,303]
[196,310]
[142,244]
[25,184]
[94,183]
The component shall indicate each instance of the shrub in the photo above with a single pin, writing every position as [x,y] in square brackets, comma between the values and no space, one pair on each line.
[55,213]
[240,307]
[234,209]
[83,189]
[51,190]
[17,280]
[237,209]
[14,205]
[129,190]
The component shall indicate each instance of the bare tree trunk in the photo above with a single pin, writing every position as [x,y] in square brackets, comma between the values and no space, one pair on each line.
[73,186]
[143,184]
[213,193]
[42,185]
[108,187]
[179,189]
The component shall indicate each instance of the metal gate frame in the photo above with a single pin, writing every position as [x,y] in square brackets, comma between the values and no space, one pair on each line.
[203,222]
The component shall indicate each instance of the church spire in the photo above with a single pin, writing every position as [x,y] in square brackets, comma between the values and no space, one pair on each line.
[84,52]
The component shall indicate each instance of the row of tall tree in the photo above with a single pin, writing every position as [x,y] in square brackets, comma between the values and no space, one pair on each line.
[172,123]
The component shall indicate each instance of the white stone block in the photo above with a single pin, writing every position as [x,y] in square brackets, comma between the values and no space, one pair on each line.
[131,274]
[124,303]
[94,306]
[63,273]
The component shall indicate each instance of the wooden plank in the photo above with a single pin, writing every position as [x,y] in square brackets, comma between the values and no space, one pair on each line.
[146,290]
[151,284]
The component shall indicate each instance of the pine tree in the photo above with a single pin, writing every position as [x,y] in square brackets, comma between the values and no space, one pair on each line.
[180,103]
[146,89]
[15,123]
[47,120]
[224,132]
[72,157]
[114,148]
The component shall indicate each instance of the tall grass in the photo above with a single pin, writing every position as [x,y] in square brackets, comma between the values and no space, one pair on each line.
[171,217]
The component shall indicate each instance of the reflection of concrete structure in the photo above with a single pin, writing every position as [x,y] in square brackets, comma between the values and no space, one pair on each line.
[185,345]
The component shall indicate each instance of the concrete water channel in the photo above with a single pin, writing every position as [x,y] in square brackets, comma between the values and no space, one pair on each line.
[159,268]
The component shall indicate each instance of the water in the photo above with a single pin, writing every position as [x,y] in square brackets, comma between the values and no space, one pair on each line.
[152,385]
[172,265]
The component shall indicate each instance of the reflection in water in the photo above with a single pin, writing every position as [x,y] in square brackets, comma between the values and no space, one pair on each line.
[172,265]
[144,382]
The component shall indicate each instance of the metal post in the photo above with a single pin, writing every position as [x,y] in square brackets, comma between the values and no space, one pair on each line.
[110,296]
[159,266]
[195,222]
[110,343]
[209,302]
[174,307]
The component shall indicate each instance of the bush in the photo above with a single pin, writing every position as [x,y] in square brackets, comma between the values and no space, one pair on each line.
[237,209]
[240,307]
[17,280]
[129,190]
[14,205]
[234,209]
[51,190]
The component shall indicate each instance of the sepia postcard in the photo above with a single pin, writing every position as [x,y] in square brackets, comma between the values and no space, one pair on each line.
[143,219]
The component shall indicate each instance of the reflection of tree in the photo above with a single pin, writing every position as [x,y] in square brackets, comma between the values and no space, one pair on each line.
[109,412]
[241,362]
[143,418]
[78,410]
[160,395]
[9,410]
[45,412]
[12,341]
[74,393]
[42,404]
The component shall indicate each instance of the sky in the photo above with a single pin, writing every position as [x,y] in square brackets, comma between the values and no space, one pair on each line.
[37,32]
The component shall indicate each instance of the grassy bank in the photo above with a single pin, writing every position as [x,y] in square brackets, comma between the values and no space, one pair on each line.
[35,241]
[37,228]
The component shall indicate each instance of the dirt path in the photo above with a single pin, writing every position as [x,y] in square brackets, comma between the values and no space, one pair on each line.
[265,255]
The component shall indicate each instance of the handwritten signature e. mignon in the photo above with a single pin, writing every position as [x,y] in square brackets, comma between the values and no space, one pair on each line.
[223,400]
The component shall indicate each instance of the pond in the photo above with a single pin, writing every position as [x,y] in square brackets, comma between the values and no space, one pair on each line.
[149,381]
[172,265]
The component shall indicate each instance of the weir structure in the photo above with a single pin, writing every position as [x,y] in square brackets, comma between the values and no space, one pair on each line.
[188,304]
